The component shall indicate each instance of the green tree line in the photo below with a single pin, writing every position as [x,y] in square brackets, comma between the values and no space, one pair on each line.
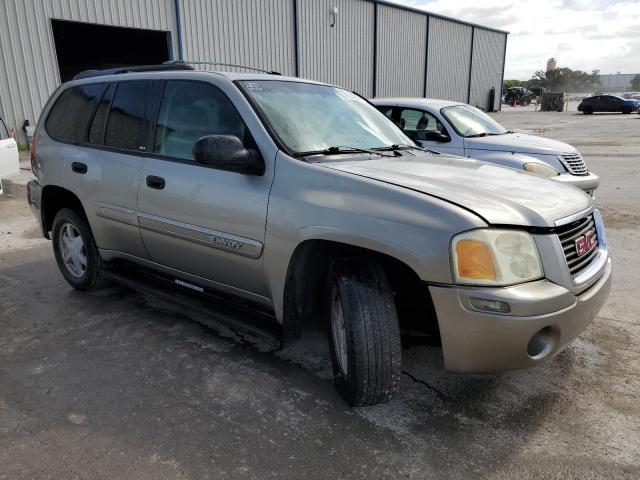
[560,80]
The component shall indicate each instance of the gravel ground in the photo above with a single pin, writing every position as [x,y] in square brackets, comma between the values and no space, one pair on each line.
[113,385]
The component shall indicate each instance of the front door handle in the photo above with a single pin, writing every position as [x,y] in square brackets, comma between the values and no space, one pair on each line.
[79,167]
[155,182]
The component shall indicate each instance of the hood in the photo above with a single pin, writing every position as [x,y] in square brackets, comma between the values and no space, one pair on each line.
[501,196]
[519,143]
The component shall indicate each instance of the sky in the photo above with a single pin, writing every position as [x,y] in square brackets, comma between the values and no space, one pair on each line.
[582,35]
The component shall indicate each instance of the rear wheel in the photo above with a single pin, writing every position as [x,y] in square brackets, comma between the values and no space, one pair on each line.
[587,110]
[364,333]
[76,251]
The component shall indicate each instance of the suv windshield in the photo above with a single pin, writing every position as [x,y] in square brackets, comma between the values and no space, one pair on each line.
[471,122]
[311,118]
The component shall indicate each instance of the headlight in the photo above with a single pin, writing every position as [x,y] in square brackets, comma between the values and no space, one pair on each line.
[540,169]
[495,257]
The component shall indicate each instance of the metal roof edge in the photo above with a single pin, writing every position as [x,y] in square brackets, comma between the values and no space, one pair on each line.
[436,15]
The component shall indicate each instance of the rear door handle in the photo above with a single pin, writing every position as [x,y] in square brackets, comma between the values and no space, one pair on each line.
[79,167]
[155,182]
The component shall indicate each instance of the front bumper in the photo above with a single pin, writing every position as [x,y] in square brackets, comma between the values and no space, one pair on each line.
[588,182]
[477,341]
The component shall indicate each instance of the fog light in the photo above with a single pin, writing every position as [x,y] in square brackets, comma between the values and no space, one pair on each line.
[543,343]
[490,305]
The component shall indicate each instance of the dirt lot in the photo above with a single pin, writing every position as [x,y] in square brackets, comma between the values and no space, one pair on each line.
[110,385]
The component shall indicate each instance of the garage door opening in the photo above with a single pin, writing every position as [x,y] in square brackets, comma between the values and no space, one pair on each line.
[87,46]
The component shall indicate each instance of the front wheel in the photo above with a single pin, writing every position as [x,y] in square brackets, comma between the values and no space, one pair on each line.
[626,110]
[364,333]
[76,251]
[587,110]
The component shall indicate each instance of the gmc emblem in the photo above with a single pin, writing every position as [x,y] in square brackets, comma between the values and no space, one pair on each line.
[585,243]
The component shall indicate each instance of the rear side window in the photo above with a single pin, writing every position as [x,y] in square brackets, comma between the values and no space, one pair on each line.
[99,123]
[127,127]
[191,110]
[69,117]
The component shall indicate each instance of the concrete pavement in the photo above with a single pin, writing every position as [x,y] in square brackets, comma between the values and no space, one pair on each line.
[116,385]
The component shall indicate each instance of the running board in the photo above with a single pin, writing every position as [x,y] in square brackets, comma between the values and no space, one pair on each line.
[251,325]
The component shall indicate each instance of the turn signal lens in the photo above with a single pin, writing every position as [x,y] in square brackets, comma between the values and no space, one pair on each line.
[475,260]
[492,256]
[540,169]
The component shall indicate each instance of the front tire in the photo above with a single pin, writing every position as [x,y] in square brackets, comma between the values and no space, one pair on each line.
[587,110]
[626,110]
[364,333]
[76,251]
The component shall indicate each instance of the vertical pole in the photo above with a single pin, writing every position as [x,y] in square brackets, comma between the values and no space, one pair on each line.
[375,49]
[473,32]
[296,52]
[179,30]
[504,60]
[426,61]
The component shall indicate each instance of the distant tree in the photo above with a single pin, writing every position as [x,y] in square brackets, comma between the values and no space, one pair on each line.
[565,80]
[539,79]
[512,83]
[635,83]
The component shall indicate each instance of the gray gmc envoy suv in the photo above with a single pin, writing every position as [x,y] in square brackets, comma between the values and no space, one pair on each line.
[298,200]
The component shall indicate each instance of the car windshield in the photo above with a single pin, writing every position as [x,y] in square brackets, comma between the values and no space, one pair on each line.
[471,122]
[310,118]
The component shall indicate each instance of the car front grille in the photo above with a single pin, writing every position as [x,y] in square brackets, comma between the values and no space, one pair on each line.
[574,163]
[568,234]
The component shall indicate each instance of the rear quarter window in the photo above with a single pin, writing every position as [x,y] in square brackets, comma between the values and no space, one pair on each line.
[68,119]
[127,127]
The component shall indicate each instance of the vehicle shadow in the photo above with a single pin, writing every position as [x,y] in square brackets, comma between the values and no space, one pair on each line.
[143,383]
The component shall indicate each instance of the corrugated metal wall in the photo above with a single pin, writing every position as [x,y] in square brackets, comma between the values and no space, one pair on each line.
[262,33]
[402,40]
[486,70]
[342,54]
[28,60]
[448,60]
[265,40]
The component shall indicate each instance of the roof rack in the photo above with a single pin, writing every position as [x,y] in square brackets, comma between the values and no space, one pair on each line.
[132,69]
[220,64]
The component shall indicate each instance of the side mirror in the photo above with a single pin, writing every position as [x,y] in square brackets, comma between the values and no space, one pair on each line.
[436,136]
[226,152]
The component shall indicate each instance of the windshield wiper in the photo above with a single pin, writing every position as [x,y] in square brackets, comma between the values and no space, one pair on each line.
[404,146]
[484,134]
[339,150]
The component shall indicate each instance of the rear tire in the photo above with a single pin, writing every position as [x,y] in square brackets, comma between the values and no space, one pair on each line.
[364,333]
[587,110]
[76,252]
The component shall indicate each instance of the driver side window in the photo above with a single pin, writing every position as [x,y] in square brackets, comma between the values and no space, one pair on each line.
[191,110]
[417,124]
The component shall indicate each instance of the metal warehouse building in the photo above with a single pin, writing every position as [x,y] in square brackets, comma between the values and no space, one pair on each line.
[370,46]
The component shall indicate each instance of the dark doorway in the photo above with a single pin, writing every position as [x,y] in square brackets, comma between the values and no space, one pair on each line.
[88,46]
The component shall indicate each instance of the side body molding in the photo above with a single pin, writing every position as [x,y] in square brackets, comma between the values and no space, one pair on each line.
[245,247]
[204,236]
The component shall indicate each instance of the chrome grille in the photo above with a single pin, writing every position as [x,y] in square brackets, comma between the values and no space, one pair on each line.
[568,235]
[574,163]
